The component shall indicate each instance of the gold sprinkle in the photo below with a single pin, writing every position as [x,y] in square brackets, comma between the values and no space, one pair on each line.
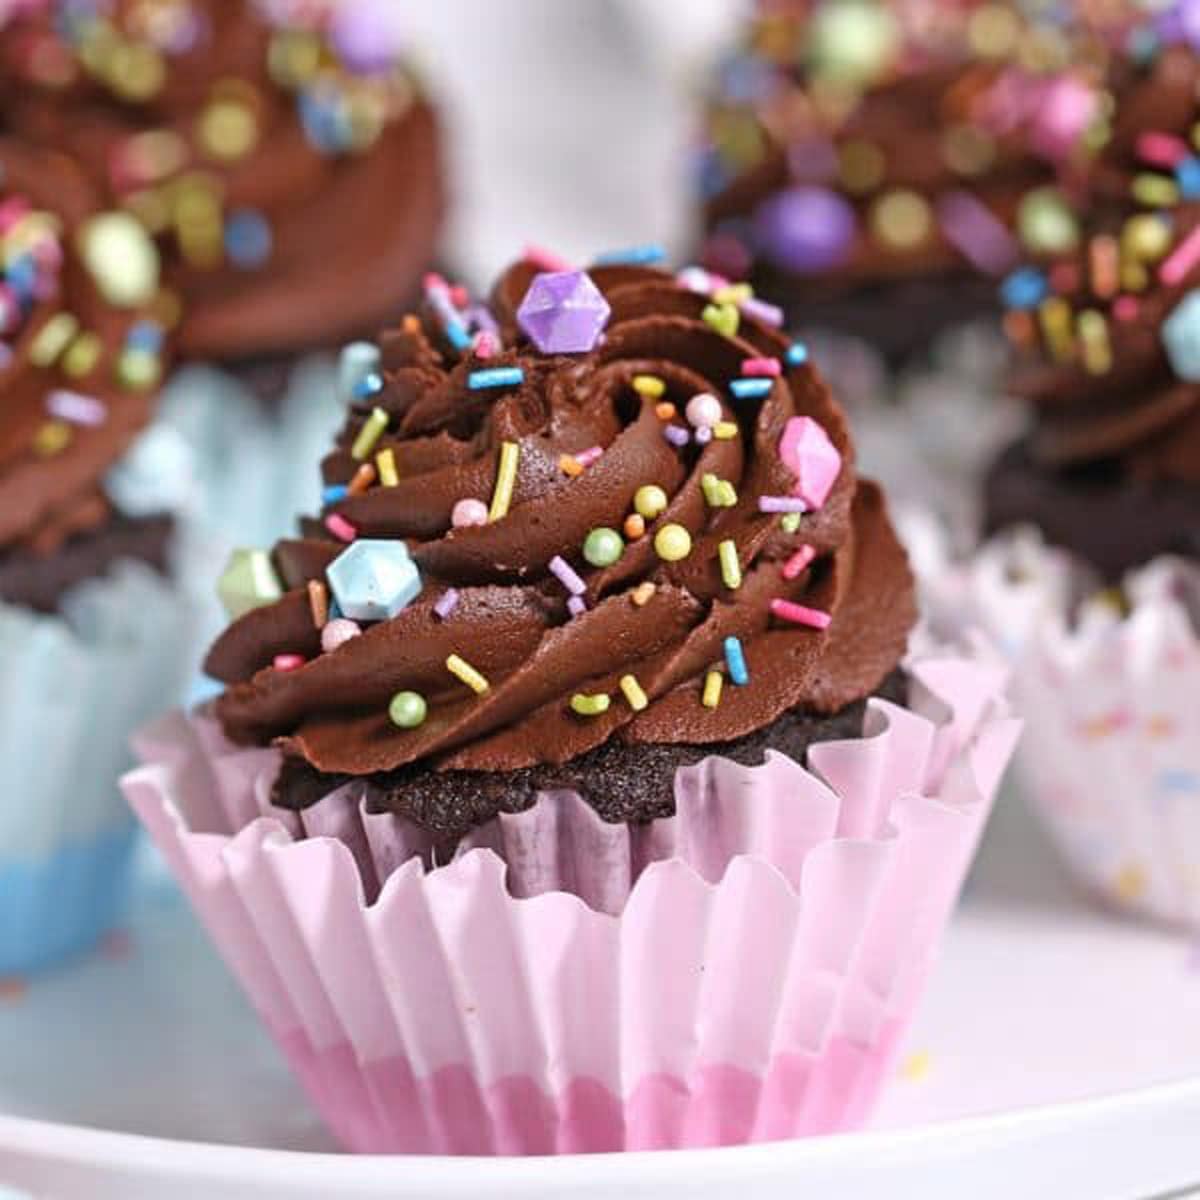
[464,672]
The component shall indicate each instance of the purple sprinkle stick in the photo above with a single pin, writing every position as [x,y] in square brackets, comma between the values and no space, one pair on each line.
[76,408]
[567,575]
[781,504]
[447,603]
[975,230]
[676,436]
[577,606]
[760,310]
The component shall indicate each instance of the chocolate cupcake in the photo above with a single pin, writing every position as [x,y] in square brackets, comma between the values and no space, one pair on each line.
[595,573]
[282,154]
[867,162]
[90,625]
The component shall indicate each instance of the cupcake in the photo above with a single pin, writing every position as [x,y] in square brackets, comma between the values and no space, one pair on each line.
[89,622]
[529,702]
[868,162]
[1098,605]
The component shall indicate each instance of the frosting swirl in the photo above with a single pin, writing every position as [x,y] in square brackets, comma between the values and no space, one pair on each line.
[635,552]
[280,152]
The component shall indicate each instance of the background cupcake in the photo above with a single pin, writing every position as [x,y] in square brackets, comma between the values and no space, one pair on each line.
[595,571]
[90,627]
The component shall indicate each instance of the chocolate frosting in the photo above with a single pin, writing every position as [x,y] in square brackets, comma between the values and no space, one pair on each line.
[511,620]
[296,187]
[51,463]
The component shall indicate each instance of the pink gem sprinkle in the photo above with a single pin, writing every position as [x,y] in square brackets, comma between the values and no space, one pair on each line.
[340,527]
[288,662]
[798,614]
[808,452]
[798,561]
[761,367]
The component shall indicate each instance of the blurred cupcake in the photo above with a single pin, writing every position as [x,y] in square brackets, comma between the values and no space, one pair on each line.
[1107,353]
[89,623]
[528,703]
[866,161]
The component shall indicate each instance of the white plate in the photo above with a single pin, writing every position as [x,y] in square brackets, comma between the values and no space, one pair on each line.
[1055,1043]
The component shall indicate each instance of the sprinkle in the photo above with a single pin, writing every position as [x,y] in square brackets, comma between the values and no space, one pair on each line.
[665,412]
[1155,191]
[760,310]
[52,339]
[642,594]
[340,527]
[568,464]
[1054,315]
[650,500]
[735,660]
[1161,149]
[408,710]
[576,606]
[82,355]
[781,504]
[603,546]
[976,232]
[731,569]
[460,339]
[632,690]
[334,493]
[719,493]
[447,602]
[672,543]
[723,318]
[797,354]
[585,458]
[703,435]
[76,408]
[733,293]
[385,464]
[635,256]
[371,384]
[545,260]
[318,603]
[761,366]
[790,523]
[363,478]
[798,614]
[337,632]
[1093,336]
[52,438]
[798,561]
[465,673]
[369,434]
[676,435]
[1104,265]
[495,377]
[469,512]
[703,410]
[506,478]
[1180,262]
[1126,308]
[486,344]
[590,706]
[634,526]
[751,389]
[649,385]
[714,681]
[724,431]
[567,575]
[288,662]
[1024,288]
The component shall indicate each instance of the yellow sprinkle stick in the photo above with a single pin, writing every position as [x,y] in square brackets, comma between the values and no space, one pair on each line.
[52,339]
[369,434]
[632,691]
[506,478]
[723,431]
[731,569]
[462,670]
[649,385]
[713,682]
[643,593]
[590,706]
[385,464]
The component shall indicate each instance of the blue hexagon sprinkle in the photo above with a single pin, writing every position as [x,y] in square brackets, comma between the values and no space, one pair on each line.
[373,580]
[1181,337]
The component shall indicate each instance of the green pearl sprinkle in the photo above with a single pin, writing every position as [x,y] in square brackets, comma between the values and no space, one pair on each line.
[603,547]
[408,710]
[649,500]
[590,706]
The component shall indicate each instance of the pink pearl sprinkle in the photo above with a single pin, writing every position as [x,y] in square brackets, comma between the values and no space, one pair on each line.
[812,618]
[340,527]
[469,512]
[337,633]
[288,662]
[545,260]
[798,562]
[761,367]
[1125,308]
[703,410]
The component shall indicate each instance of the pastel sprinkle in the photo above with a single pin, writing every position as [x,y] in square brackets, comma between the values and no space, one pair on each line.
[468,512]
[495,377]
[797,354]
[371,384]
[724,431]
[369,434]
[288,662]
[318,603]
[731,569]
[52,339]
[465,673]
[76,408]
[723,318]
[486,344]
[649,385]
[385,464]
[733,293]
[506,479]
[714,681]
[761,366]
[1161,149]
[781,504]
[447,602]
[650,500]
[576,606]
[632,691]
[603,547]
[665,412]
[799,614]
[703,435]
[672,543]
[52,438]
[457,335]
[643,593]
[798,561]
[340,527]
[676,435]
[408,710]
[634,256]
[703,410]
[363,478]
[590,706]
[735,660]
[585,458]
[333,493]
[760,310]
[1180,262]
[567,575]
[751,389]
[634,526]
[337,633]
[545,260]
[568,464]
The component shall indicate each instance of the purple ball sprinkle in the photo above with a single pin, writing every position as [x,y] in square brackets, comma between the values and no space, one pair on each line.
[676,436]
[805,229]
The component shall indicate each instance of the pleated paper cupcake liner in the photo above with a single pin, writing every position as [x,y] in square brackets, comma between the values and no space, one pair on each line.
[1110,688]
[73,687]
[742,971]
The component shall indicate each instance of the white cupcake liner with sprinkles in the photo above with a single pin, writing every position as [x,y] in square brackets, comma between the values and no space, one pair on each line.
[1110,689]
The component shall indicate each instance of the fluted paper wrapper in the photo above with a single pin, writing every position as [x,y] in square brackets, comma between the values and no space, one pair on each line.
[1111,758]
[73,688]
[739,972]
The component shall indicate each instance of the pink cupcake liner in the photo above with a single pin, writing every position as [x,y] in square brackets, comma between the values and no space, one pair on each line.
[1110,762]
[742,971]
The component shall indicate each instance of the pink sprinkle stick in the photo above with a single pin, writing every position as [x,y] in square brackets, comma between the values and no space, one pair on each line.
[340,527]
[1181,260]
[288,662]
[813,618]
[798,562]
[546,260]
[761,367]
[585,458]
[1161,149]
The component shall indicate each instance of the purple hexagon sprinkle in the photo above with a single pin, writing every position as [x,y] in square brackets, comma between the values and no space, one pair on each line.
[563,312]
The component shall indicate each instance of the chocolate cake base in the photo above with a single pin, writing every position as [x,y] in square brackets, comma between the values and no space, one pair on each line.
[40,581]
[1112,522]
[623,783]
